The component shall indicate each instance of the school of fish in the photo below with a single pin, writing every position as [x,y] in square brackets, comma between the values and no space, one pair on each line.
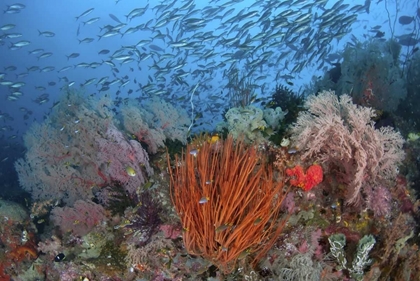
[181,47]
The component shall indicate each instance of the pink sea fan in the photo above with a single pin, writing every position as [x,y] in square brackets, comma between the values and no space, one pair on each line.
[341,134]
[378,199]
[154,120]
[116,154]
[77,148]
[80,219]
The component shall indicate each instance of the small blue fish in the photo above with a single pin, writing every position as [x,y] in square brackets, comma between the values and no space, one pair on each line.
[203,200]
[194,152]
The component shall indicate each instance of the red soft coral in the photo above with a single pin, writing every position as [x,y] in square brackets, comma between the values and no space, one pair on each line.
[313,176]
[298,174]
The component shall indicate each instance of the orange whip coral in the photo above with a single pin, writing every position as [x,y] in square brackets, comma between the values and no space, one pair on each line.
[228,200]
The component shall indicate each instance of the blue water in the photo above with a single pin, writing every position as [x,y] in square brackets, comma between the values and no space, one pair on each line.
[172,71]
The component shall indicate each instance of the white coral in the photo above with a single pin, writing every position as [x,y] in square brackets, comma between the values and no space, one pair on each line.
[273,117]
[245,122]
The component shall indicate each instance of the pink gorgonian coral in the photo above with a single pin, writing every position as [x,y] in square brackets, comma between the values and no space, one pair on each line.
[342,135]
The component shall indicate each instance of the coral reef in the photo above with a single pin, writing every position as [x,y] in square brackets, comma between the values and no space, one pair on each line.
[115,199]
[370,72]
[245,122]
[219,208]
